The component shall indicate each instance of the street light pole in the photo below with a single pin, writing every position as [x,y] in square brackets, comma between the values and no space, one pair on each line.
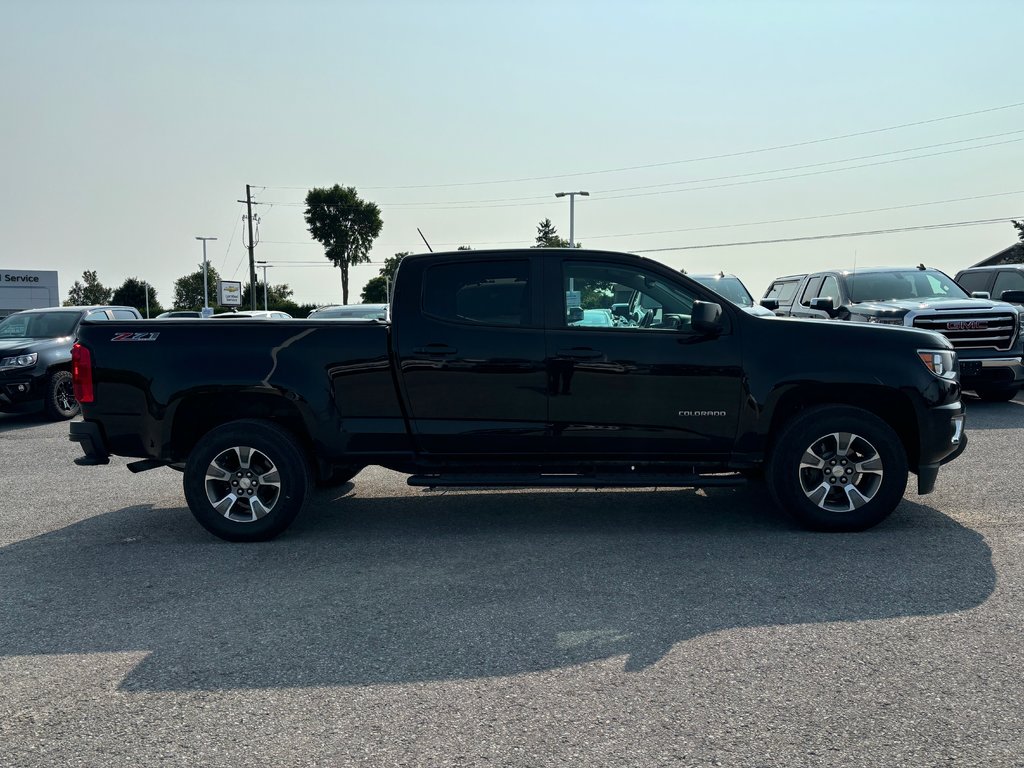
[263,265]
[572,213]
[206,288]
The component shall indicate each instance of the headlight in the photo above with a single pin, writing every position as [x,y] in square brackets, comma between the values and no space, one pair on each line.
[19,361]
[886,320]
[941,362]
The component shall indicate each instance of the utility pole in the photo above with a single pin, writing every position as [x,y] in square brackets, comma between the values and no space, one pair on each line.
[252,245]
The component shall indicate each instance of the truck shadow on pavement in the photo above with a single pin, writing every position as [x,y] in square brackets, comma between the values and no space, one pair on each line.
[441,586]
[12,421]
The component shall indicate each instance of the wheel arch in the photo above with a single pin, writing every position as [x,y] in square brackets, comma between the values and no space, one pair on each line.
[892,406]
[197,414]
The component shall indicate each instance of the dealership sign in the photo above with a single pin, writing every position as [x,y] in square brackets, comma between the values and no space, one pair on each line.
[229,293]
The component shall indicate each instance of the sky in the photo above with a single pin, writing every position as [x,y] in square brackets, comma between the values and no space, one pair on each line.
[131,128]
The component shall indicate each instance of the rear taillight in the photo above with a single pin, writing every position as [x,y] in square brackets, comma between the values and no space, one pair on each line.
[81,373]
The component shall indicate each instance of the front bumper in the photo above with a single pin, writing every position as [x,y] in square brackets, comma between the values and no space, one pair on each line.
[991,372]
[943,438]
[18,392]
[89,435]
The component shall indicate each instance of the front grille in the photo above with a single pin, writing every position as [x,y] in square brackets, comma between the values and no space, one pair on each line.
[972,330]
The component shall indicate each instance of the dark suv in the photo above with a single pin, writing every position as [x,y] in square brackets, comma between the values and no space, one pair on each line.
[986,333]
[994,281]
[35,356]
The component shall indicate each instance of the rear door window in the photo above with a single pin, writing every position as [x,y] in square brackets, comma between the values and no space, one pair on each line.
[479,292]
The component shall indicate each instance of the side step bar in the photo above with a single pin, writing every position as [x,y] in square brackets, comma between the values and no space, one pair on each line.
[541,480]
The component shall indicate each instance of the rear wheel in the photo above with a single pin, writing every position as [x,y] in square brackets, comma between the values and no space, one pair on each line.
[59,399]
[246,480]
[996,394]
[838,468]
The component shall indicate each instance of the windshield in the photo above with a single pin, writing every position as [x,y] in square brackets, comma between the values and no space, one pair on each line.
[731,288]
[355,311]
[913,284]
[38,325]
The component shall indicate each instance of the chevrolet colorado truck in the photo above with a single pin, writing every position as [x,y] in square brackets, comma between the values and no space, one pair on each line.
[481,378]
[986,334]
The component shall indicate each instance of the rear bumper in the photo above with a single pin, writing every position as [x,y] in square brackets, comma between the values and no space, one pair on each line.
[89,435]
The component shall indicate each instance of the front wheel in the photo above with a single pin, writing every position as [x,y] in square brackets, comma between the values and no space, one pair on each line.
[59,397]
[838,468]
[246,480]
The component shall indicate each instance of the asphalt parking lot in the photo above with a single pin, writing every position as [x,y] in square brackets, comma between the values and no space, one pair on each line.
[394,626]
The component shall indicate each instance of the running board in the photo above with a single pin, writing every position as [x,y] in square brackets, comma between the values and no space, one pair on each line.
[630,480]
[145,465]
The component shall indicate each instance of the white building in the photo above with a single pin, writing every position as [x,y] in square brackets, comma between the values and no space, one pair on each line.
[27,289]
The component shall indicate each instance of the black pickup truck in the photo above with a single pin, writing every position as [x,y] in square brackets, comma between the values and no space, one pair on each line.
[482,378]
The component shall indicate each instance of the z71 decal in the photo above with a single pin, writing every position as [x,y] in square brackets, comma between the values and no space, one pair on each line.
[135,336]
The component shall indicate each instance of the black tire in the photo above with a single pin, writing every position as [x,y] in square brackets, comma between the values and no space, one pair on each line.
[832,497]
[257,470]
[996,394]
[59,402]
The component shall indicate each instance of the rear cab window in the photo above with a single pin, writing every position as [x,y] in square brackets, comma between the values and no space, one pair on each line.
[493,292]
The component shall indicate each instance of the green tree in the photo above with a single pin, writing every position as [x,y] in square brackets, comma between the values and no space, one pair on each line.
[277,296]
[377,289]
[345,225]
[547,236]
[89,291]
[188,290]
[132,293]
[1019,226]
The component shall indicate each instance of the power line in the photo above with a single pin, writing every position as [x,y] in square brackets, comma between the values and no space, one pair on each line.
[604,198]
[732,225]
[945,225]
[794,145]
[523,202]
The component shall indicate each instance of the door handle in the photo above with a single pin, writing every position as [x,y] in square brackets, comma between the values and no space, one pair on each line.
[580,353]
[438,350]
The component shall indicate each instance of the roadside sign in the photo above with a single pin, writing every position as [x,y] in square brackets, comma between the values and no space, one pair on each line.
[229,293]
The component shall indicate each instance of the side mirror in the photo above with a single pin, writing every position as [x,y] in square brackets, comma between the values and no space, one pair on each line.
[1012,297]
[707,317]
[981,295]
[824,304]
[772,304]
